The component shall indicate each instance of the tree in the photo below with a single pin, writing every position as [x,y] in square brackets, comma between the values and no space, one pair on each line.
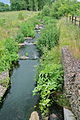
[18,5]
[4,7]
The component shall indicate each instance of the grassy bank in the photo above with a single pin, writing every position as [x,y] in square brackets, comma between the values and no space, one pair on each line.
[69,36]
[10,21]
[14,26]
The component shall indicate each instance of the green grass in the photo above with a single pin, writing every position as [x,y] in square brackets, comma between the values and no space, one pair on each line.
[11,34]
[10,22]
[69,36]
[5,82]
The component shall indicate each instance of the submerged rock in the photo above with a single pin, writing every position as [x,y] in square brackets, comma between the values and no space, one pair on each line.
[68,115]
[53,117]
[34,116]
[38,27]
[24,58]
[46,118]
[28,38]
[21,44]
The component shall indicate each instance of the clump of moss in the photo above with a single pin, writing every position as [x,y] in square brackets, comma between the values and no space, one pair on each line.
[5,82]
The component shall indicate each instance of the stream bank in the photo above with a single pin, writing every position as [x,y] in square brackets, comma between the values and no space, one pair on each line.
[19,102]
[4,83]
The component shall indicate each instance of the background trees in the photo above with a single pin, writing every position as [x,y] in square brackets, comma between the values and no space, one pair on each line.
[28,4]
[18,5]
[60,7]
[4,7]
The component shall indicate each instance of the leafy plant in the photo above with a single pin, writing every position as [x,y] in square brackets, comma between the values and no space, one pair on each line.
[27,29]
[20,37]
[49,37]
[49,79]
[8,54]
[46,11]
[26,54]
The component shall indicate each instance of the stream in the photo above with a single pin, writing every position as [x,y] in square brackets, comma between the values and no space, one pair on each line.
[19,102]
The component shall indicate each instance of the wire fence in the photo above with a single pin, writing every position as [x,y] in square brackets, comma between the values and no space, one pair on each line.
[75,20]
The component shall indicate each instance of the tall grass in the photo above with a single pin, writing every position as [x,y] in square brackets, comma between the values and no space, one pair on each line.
[10,22]
[69,36]
[11,35]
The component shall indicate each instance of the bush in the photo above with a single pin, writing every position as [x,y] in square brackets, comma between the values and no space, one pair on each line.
[49,78]
[46,11]
[9,54]
[49,37]
[27,28]
[11,46]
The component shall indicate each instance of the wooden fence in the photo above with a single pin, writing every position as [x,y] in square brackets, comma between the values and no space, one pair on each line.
[75,20]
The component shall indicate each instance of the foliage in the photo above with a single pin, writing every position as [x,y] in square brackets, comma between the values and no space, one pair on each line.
[8,54]
[18,4]
[11,45]
[26,54]
[62,100]
[20,37]
[4,7]
[29,4]
[49,79]
[69,36]
[61,8]
[10,25]
[49,37]
[27,28]
[20,16]
[48,19]
[2,22]
[5,82]
[46,11]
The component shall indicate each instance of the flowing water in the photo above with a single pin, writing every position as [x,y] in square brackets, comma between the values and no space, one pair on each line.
[19,102]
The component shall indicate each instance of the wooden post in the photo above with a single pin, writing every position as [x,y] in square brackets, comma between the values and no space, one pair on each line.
[79,23]
[75,20]
[72,19]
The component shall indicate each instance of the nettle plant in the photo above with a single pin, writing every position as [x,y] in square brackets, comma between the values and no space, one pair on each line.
[49,37]
[49,80]
[27,29]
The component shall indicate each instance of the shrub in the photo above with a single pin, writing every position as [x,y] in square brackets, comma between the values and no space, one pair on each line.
[46,11]
[27,29]
[49,37]
[49,78]
[9,54]
[11,46]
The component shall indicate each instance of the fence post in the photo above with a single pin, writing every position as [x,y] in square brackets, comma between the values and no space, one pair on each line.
[75,20]
[72,19]
[79,23]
